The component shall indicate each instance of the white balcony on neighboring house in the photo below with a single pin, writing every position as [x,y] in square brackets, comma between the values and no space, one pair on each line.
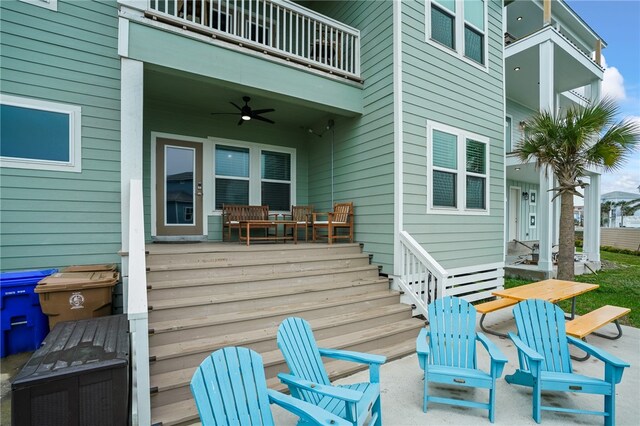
[552,57]
[277,28]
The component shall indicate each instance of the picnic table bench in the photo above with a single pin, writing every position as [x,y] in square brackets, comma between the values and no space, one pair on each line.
[492,306]
[591,321]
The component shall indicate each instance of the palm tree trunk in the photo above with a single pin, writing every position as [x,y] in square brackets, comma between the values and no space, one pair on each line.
[567,238]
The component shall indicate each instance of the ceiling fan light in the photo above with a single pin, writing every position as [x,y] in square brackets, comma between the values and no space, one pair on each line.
[246,117]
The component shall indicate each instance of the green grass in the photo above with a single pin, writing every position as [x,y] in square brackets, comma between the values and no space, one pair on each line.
[619,285]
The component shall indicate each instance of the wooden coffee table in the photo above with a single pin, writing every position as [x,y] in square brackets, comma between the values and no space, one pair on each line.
[246,225]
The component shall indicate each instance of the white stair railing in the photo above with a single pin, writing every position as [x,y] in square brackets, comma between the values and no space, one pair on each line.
[421,277]
[278,27]
[136,309]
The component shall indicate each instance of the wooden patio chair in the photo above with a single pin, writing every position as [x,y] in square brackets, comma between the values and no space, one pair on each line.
[303,215]
[545,362]
[230,388]
[447,353]
[309,381]
[340,218]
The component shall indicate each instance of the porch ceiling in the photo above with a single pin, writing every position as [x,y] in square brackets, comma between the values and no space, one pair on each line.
[522,172]
[202,96]
[571,69]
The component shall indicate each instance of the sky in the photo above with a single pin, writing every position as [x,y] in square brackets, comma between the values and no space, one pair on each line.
[618,23]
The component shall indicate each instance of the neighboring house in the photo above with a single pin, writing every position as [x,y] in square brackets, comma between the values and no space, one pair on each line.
[552,61]
[615,219]
[409,98]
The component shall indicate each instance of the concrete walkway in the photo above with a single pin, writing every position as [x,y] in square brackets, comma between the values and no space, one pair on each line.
[401,388]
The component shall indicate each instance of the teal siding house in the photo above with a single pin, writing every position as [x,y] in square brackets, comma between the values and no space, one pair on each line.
[131,121]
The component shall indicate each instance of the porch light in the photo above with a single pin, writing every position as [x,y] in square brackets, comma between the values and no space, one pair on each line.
[525,196]
[516,69]
[519,18]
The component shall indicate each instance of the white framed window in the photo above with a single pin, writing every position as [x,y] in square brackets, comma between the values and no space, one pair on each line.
[247,173]
[458,171]
[508,133]
[47,4]
[40,135]
[458,27]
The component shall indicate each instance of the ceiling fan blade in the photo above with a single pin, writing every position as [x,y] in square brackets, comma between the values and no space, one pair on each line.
[263,111]
[240,122]
[239,108]
[224,113]
[257,117]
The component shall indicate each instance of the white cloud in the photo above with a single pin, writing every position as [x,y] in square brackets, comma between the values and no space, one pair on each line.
[612,82]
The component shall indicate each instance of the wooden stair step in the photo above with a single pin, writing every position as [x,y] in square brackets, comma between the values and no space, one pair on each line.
[218,253]
[320,327]
[159,285]
[250,295]
[253,262]
[233,317]
[185,411]
[229,248]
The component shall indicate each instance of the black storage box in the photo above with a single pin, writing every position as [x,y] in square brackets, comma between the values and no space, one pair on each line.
[79,376]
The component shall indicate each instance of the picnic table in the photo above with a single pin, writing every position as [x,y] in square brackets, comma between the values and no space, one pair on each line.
[551,290]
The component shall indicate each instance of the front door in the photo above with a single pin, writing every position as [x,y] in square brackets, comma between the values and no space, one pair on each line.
[178,187]
[514,213]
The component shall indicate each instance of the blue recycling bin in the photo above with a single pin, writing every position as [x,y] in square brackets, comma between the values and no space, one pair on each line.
[23,324]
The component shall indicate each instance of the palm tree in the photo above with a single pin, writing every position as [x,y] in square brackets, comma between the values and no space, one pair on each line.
[605,209]
[570,143]
[628,208]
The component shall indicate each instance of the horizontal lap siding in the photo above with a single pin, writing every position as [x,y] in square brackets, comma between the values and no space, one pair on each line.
[54,219]
[363,146]
[444,88]
[518,113]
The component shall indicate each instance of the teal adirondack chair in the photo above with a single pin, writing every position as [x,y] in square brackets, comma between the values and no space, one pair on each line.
[230,388]
[309,381]
[447,353]
[545,362]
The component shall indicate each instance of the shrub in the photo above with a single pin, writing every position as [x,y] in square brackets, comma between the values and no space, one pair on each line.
[619,250]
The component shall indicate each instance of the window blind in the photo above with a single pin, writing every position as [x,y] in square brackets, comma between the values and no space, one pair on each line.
[276,165]
[473,45]
[231,191]
[444,189]
[475,157]
[442,27]
[445,152]
[232,161]
[476,192]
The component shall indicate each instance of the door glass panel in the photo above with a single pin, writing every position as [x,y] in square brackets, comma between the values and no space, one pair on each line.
[179,185]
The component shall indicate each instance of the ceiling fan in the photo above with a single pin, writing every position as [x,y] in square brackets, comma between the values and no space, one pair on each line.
[246,113]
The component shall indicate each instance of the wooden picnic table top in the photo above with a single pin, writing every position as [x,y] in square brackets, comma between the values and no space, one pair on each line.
[550,290]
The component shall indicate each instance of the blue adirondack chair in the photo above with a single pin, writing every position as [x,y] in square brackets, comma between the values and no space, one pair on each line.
[545,362]
[309,381]
[230,388]
[447,353]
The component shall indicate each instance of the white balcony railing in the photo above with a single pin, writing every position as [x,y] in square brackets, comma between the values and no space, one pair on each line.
[276,27]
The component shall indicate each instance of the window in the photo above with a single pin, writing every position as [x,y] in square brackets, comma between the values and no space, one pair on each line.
[443,22]
[232,175]
[458,26]
[254,174]
[457,165]
[39,134]
[276,180]
[47,4]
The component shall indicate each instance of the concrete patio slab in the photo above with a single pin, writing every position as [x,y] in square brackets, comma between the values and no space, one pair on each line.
[401,388]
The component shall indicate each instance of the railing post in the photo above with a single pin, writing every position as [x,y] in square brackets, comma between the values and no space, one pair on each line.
[137,311]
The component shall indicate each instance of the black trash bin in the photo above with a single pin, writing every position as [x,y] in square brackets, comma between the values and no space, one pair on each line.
[79,376]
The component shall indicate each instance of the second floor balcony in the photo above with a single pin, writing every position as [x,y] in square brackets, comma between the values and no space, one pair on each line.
[278,28]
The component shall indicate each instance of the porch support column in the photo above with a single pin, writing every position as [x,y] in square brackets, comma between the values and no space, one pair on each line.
[545,217]
[131,85]
[131,114]
[595,88]
[545,222]
[592,219]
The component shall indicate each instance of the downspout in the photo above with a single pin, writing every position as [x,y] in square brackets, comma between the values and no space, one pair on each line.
[397,135]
